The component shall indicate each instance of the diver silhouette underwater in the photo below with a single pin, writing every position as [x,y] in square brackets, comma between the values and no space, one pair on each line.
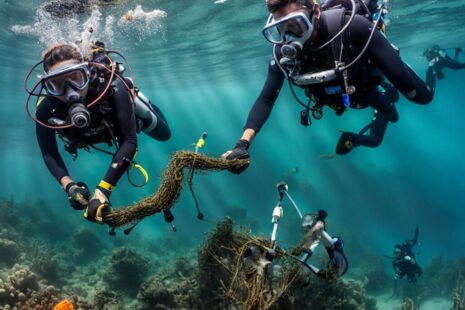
[338,54]
[404,260]
[88,101]
[438,59]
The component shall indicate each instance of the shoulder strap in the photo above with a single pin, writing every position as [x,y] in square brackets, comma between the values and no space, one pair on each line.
[334,21]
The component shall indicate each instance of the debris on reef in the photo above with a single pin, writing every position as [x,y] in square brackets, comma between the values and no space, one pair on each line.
[225,280]
[214,277]
[127,270]
[171,185]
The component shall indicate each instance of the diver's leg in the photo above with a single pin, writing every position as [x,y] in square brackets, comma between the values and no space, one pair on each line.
[454,64]
[384,112]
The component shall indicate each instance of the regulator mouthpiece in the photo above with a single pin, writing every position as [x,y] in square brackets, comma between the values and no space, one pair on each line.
[292,49]
[79,115]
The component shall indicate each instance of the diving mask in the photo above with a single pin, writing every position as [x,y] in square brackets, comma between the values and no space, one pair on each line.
[295,26]
[75,76]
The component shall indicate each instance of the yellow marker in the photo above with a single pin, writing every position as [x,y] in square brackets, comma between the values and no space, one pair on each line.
[201,143]
[142,170]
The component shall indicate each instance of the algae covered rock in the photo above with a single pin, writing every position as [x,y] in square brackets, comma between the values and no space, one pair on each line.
[9,252]
[107,300]
[153,294]
[127,270]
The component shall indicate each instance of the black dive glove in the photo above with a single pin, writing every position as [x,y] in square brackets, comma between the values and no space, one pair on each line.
[78,195]
[99,205]
[239,150]
[322,215]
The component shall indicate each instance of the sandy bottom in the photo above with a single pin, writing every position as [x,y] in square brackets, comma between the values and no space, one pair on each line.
[436,304]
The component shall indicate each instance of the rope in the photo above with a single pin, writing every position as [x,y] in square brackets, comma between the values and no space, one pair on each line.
[171,185]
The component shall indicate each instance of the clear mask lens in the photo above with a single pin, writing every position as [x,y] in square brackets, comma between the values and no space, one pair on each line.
[77,77]
[295,25]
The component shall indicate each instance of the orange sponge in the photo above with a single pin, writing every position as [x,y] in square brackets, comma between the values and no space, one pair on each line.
[64,305]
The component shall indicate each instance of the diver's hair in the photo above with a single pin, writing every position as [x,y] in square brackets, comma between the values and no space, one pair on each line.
[60,52]
[276,5]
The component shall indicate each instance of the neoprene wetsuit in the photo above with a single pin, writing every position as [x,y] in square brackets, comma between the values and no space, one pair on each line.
[381,57]
[120,117]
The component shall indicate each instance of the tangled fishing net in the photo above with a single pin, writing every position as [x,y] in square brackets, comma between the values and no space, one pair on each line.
[171,185]
[235,266]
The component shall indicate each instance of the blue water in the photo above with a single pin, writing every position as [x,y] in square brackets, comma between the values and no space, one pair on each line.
[204,69]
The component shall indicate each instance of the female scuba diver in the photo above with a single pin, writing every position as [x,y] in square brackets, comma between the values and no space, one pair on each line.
[342,59]
[86,103]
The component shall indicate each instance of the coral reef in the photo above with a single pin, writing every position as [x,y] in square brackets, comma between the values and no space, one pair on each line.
[44,264]
[9,252]
[106,300]
[127,271]
[459,298]
[87,244]
[22,291]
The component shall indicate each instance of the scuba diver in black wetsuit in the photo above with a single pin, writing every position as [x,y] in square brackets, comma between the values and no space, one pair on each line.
[404,261]
[89,103]
[438,59]
[341,62]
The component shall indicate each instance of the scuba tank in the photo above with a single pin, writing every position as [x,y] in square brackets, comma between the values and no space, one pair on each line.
[146,115]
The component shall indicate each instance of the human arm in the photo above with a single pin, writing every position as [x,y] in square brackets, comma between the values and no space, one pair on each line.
[78,193]
[387,59]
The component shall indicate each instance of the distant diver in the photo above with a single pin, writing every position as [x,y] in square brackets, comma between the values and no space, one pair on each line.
[340,58]
[87,102]
[404,260]
[438,59]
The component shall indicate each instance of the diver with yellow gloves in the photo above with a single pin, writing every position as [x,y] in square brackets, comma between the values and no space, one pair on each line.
[342,59]
[87,101]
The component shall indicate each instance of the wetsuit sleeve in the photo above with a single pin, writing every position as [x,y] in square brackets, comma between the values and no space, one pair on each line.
[261,110]
[125,129]
[48,144]
[387,59]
